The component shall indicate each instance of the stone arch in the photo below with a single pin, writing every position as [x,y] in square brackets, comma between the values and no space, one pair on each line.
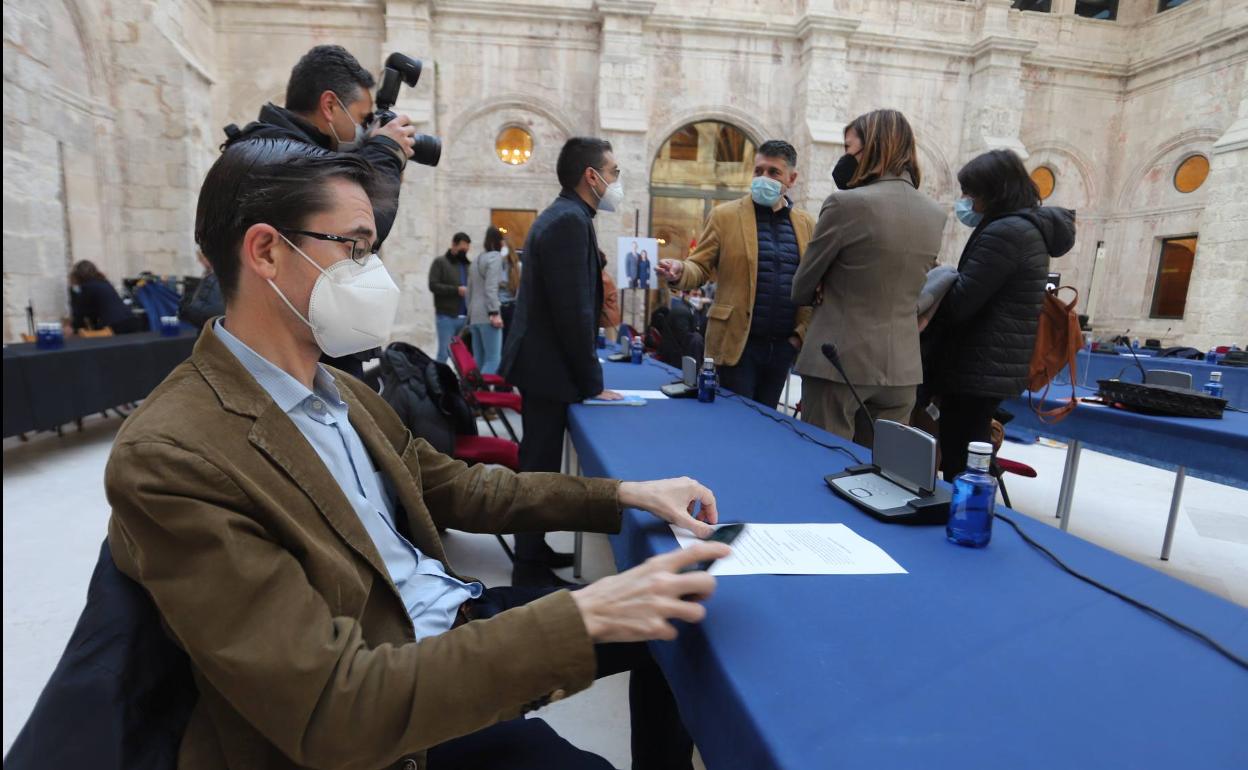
[1183,144]
[754,129]
[1071,157]
[510,101]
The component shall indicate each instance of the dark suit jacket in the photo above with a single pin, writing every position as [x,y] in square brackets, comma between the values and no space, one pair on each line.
[551,351]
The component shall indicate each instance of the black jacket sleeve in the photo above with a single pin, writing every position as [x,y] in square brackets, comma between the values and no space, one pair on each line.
[570,296]
[384,155]
[992,259]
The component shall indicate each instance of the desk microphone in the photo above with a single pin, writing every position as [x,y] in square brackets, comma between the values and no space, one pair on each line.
[830,353]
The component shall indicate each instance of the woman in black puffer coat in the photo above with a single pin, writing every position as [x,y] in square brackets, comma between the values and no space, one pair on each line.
[985,329]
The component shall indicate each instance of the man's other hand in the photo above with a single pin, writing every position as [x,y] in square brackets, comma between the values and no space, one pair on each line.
[638,605]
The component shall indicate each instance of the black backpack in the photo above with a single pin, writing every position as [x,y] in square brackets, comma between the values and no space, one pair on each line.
[426,396]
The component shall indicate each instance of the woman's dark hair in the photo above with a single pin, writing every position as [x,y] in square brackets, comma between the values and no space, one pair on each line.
[578,154]
[888,147]
[84,272]
[493,239]
[325,68]
[280,182]
[1000,182]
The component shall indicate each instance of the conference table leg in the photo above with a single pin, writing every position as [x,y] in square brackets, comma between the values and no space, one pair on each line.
[572,467]
[1175,499]
[1067,492]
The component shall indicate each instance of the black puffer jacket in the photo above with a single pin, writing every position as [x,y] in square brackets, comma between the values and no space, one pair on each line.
[985,329]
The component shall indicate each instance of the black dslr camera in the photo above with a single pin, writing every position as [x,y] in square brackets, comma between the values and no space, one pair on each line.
[401,69]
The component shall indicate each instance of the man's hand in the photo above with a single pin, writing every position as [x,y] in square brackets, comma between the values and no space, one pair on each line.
[496,321]
[637,605]
[671,269]
[795,341]
[401,131]
[673,501]
[463,291]
[609,395]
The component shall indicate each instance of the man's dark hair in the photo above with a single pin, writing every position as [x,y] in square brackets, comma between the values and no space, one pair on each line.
[325,68]
[778,148]
[999,180]
[280,182]
[460,238]
[578,154]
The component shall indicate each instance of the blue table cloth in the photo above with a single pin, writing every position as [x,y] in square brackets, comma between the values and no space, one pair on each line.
[986,658]
[1214,450]
[1104,367]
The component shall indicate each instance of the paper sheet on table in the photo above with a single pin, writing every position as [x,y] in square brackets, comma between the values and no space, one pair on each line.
[799,549]
[626,401]
[646,394]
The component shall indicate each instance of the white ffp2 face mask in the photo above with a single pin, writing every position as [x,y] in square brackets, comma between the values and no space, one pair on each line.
[352,307]
[613,196]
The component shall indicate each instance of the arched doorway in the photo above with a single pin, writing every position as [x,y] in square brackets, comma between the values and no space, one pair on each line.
[699,167]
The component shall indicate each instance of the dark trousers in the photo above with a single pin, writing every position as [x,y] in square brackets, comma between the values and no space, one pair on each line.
[963,419]
[508,311]
[541,449]
[659,738]
[762,371]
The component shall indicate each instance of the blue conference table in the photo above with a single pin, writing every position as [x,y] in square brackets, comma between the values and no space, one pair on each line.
[1105,367]
[975,659]
[1213,450]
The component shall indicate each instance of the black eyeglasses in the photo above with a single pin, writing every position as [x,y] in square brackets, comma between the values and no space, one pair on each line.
[361,249]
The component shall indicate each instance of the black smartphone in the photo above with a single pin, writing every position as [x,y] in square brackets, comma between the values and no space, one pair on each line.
[725,534]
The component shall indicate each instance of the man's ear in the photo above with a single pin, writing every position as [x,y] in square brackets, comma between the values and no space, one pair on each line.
[792,177]
[257,251]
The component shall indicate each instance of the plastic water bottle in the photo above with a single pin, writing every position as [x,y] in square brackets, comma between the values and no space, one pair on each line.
[1214,386]
[602,337]
[637,349]
[1135,343]
[974,500]
[708,380]
[1212,356]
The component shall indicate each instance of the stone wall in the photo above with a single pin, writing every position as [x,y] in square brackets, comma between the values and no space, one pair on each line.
[139,92]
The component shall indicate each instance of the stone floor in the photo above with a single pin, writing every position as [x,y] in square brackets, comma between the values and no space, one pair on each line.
[55,516]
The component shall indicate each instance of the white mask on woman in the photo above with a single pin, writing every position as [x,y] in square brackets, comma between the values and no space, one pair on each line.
[352,307]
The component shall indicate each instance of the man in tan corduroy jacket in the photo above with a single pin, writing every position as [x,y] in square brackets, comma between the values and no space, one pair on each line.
[752,248]
[285,522]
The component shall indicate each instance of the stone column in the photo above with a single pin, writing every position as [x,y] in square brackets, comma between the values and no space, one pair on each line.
[994,101]
[412,244]
[1215,300]
[822,103]
[623,120]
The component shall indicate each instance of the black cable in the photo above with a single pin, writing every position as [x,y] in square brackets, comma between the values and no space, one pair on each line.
[1241,662]
[772,415]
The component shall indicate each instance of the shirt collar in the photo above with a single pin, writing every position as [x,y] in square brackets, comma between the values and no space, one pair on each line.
[286,391]
[573,196]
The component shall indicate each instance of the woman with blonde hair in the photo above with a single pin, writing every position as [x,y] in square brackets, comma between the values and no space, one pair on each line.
[863,271]
[509,287]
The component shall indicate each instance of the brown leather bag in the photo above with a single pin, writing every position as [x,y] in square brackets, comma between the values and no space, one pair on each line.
[1058,340]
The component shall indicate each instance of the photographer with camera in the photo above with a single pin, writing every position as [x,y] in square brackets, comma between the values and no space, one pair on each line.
[328,104]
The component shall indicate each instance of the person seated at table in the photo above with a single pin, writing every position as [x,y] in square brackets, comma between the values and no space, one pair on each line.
[985,329]
[96,304]
[285,522]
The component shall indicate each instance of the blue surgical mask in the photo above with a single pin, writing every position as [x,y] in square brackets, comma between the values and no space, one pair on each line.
[765,192]
[964,210]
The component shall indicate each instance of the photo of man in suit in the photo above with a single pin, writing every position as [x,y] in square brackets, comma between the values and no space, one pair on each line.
[630,265]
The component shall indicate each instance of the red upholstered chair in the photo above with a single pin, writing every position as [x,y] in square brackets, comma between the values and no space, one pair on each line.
[467,367]
[493,451]
[1002,466]
[476,393]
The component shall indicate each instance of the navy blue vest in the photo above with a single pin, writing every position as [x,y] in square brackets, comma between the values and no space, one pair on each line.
[775,315]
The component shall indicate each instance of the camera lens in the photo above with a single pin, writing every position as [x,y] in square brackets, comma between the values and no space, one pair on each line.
[427,151]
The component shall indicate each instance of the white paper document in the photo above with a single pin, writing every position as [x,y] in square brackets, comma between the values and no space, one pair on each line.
[799,549]
[649,395]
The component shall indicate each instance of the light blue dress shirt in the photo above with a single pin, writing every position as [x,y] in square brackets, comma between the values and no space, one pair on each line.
[431,596]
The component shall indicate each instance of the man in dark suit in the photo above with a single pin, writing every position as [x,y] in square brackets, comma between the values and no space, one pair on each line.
[551,354]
